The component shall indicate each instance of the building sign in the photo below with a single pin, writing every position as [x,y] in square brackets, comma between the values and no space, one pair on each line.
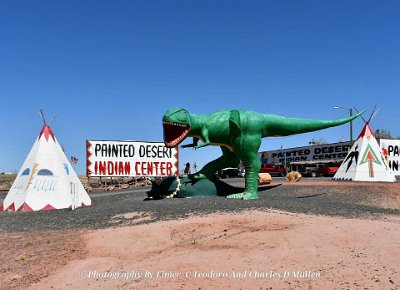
[321,152]
[130,158]
[390,150]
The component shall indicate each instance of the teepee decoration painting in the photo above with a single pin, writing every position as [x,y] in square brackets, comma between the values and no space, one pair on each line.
[365,160]
[46,179]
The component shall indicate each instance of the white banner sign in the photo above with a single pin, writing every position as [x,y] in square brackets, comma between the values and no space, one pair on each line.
[130,158]
[321,152]
[390,150]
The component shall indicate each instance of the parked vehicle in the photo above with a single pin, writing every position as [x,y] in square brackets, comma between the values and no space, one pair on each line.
[241,173]
[310,170]
[231,172]
[273,169]
[328,169]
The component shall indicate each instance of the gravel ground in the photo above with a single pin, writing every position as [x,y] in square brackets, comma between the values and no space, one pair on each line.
[320,197]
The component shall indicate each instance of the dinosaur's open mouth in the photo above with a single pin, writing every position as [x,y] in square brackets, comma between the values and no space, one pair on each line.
[174,133]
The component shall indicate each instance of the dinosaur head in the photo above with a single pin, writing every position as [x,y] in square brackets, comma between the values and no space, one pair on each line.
[176,123]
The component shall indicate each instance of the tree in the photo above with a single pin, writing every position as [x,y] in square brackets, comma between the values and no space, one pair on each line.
[383,134]
[318,141]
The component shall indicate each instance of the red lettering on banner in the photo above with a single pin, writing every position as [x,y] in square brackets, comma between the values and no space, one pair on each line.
[127,168]
[153,168]
[137,168]
[150,168]
[169,168]
[120,168]
[156,167]
[102,168]
[162,172]
[109,168]
[144,168]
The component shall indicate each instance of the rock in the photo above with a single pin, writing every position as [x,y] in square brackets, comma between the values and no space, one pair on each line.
[264,178]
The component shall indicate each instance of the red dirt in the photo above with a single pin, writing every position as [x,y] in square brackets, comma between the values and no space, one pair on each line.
[250,250]
[29,257]
[253,250]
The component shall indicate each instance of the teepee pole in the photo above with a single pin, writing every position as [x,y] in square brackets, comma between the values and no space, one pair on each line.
[42,114]
[52,119]
[365,121]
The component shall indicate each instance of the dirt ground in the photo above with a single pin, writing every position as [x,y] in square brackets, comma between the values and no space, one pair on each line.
[249,250]
[27,258]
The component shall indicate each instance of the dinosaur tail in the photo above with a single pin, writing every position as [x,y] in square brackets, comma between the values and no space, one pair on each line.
[281,126]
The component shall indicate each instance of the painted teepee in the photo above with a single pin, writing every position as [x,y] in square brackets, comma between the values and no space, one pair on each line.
[46,180]
[365,161]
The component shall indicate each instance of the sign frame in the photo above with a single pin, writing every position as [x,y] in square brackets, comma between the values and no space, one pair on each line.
[127,158]
[391,153]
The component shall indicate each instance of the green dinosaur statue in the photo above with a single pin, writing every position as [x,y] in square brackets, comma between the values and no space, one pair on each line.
[239,133]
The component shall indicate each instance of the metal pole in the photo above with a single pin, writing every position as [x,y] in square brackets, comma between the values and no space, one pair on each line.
[351,122]
[351,126]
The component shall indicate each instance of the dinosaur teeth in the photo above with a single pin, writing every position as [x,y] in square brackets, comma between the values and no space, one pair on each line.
[178,140]
[174,132]
[175,124]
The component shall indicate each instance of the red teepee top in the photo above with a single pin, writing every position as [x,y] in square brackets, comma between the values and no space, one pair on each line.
[366,132]
[46,132]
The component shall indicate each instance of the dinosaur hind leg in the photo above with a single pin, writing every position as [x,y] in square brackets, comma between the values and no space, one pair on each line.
[228,159]
[247,150]
[252,167]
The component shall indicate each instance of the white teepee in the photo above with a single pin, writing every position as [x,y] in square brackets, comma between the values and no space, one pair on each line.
[46,180]
[365,161]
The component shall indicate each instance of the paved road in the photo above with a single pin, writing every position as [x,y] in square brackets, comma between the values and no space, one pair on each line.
[325,200]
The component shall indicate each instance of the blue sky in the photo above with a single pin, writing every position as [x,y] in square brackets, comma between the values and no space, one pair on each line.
[110,69]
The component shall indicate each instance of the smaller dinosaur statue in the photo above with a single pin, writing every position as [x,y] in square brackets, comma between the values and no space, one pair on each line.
[182,187]
[239,133]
